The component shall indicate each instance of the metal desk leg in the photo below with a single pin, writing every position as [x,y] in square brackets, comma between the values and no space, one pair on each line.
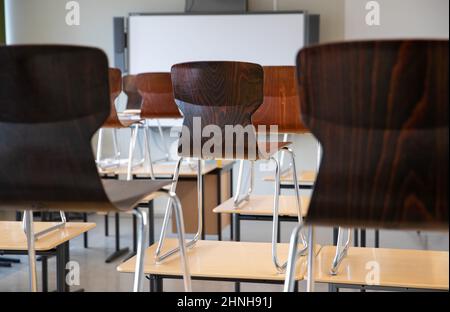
[119,252]
[134,251]
[152,283]
[85,234]
[356,241]
[62,256]
[377,239]
[237,238]
[151,223]
[158,283]
[335,235]
[203,208]
[237,227]
[44,263]
[363,237]
[279,232]
[106,225]
[231,218]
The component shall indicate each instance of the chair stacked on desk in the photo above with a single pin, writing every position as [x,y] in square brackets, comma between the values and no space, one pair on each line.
[279,109]
[219,94]
[118,121]
[380,111]
[45,148]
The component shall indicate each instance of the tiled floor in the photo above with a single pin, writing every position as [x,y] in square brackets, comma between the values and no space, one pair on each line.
[96,275]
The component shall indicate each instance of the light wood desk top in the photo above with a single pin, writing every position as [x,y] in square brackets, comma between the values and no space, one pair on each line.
[12,236]
[304,178]
[397,267]
[262,205]
[231,260]
[167,169]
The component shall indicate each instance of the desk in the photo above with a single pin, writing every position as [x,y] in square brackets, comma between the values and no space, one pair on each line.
[219,261]
[305,179]
[400,269]
[56,243]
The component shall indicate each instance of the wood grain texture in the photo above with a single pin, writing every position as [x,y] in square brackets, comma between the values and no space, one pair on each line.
[280,106]
[12,235]
[380,110]
[115,88]
[220,94]
[53,100]
[233,260]
[157,94]
[134,99]
[416,269]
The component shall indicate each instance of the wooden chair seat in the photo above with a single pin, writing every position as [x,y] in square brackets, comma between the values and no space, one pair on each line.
[262,205]
[221,260]
[420,269]
[126,195]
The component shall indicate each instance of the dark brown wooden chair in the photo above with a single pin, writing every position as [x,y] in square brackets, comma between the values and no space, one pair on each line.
[134,99]
[280,106]
[46,158]
[380,111]
[219,99]
[157,101]
[157,96]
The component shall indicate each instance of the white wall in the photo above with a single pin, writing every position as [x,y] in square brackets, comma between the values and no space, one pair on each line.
[43,21]
[398,19]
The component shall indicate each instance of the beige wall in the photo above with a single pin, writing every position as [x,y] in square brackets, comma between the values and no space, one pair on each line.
[398,19]
[43,21]
[332,14]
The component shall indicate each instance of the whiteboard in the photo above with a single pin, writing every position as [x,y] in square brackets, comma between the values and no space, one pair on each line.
[156,42]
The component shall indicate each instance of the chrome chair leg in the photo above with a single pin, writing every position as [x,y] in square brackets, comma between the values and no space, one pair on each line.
[158,257]
[161,134]
[99,146]
[116,146]
[181,241]
[239,183]
[297,191]
[49,229]
[310,283]
[238,199]
[292,260]
[341,250]
[29,231]
[148,156]
[282,267]
[142,243]
[168,211]
[289,282]
[131,149]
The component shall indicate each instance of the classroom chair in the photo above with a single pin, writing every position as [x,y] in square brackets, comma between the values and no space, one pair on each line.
[157,101]
[53,100]
[222,95]
[380,111]
[279,108]
[117,121]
